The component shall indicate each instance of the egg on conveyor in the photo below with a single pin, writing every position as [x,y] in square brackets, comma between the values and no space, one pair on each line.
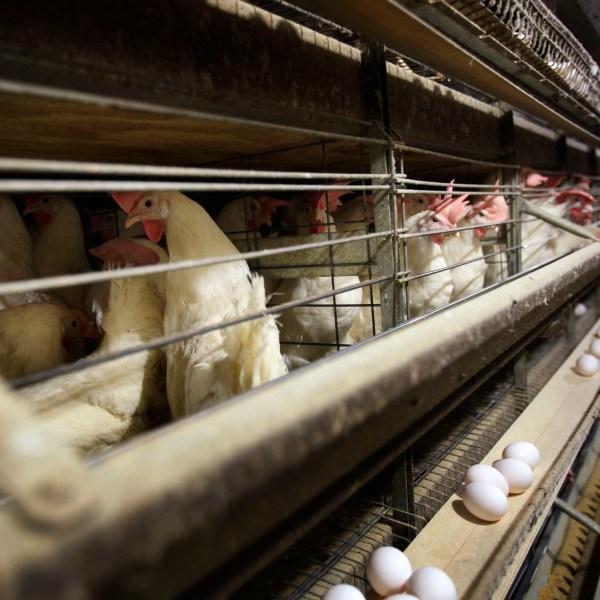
[586,365]
[595,347]
[431,583]
[387,570]
[486,474]
[343,591]
[580,310]
[524,451]
[484,500]
[518,474]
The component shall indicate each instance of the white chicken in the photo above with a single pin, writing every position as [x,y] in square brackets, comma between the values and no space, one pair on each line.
[39,336]
[100,405]
[368,321]
[242,218]
[16,260]
[58,243]
[357,214]
[577,208]
[311,212]
[541,240]
[313,330]
[469,278]
[208,368]
[537,236]
[432,291]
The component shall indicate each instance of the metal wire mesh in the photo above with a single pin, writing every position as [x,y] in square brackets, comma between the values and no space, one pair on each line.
[530,31]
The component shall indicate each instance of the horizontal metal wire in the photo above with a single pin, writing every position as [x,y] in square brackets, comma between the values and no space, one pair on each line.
[490,287]
[97,169]
[10,185]
[61,281]
[166,340]
[24,186]
[81,185]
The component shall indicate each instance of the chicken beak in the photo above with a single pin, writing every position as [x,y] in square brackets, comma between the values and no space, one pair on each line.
[131,219]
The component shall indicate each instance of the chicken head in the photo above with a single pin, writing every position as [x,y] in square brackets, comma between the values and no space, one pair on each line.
[43,207]
[148,207]
[491,209]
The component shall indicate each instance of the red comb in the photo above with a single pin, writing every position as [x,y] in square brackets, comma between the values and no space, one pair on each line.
[122,251]
[127,200]
[576,193]
[452,208]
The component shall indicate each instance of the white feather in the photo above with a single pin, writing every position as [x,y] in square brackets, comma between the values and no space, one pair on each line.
[431,291]
[212,367]
[103,404]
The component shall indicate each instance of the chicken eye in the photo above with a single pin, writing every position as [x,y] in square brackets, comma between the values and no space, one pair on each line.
[149,203]
[434,220]
[74,324]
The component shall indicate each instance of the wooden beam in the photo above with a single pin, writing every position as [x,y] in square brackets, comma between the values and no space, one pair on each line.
[394,25]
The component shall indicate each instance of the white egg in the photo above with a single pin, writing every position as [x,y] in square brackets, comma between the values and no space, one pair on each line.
[518,474]
[595,347]
[580,309]
[343,591]
[524,451]
[401,597]
[431,583]
[485,500]
[387,570]
[487,474]
[586,365]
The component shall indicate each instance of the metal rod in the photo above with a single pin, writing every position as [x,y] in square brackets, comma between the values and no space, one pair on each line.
[92,168]
[557,221]
[81,185]
[577,515]
[28,285]
[159,342]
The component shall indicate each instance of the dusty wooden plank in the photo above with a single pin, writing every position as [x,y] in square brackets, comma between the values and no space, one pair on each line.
[36,126]
[535,144]
[225,57]
[220,81]
[427,114]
